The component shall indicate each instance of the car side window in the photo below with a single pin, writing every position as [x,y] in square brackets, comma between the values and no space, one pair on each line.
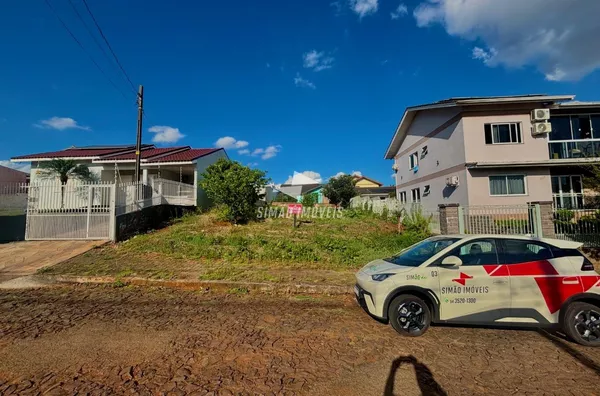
[517,251]
[477,252]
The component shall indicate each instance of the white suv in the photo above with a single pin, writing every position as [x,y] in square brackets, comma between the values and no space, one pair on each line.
[485,279]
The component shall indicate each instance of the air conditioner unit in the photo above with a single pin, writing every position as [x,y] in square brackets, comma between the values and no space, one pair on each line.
[452,181]
[540,115]
[540,128]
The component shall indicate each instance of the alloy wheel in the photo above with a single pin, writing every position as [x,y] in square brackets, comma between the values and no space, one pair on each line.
[411,316]
[587,325]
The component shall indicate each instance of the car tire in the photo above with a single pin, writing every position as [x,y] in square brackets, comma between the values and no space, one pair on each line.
[582,323]
[409,315]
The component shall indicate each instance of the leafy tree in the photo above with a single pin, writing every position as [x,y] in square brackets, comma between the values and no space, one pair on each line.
[234,187]
[340,190]
[309,200]
[591,180]
[65,170]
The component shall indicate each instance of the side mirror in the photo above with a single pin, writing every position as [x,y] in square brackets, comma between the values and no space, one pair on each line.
[451,261]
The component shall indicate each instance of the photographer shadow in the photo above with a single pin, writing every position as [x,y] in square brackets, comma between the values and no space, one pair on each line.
[427,384]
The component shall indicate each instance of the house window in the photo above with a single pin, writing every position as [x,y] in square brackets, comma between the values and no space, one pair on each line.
[424,152]
[567,192]
[426,190]
[575,127]
[413,161]
[507,185]
[416,195]
[403,197]
[509,133]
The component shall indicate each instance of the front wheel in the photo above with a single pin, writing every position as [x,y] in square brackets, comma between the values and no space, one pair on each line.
[409,315]
[582,323]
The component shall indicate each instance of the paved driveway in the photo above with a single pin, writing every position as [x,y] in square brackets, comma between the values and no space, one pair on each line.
[25,258]
[105,340]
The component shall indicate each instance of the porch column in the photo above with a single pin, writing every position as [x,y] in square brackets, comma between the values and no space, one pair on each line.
[545,218]
[145,175]
[196,186]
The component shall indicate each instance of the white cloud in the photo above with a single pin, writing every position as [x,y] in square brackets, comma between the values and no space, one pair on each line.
[165,134]
[252,164]
[303,83]
[364,7]
[227,142]
[266,153]
[552,35]
[402,10]
[316,176]
[337,6]
[244,152]
[23,167]
[338,175]
[61,123]
[356,173]
[317,61]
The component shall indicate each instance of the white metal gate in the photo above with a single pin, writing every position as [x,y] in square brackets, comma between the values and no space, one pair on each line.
[70,211]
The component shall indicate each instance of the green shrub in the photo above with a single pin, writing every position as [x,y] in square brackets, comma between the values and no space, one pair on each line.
[564,215]
[309,200]
[414,221]
[385,213]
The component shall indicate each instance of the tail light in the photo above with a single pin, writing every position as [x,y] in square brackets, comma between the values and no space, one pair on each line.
[587,265]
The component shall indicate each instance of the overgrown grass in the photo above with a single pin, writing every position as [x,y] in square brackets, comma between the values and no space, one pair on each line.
[201,247]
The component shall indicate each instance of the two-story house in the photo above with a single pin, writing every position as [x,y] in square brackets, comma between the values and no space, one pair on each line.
[491,151]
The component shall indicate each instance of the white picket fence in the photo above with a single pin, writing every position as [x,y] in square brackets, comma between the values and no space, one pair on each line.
[398,209]
[79,210]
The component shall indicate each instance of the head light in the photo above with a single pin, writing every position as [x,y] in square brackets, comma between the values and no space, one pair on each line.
[380,277]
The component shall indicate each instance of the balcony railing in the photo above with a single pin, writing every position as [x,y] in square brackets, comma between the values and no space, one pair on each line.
[574,149]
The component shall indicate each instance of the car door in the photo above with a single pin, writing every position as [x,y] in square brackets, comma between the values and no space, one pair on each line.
[468,293]
[540,283]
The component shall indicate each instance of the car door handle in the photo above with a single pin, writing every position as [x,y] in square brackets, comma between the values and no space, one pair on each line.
[570,281]
[500,281]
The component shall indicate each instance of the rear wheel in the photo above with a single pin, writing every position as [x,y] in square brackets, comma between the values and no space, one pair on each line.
[409,315]
[582,323]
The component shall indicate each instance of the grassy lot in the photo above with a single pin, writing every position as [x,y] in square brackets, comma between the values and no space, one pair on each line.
[200,247]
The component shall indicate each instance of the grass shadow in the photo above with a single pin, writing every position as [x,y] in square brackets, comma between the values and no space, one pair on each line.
[427,384]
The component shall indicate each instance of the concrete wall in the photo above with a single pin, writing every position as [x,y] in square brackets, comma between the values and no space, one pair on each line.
[8,175]
[445,157]
[532,148]
[537,183]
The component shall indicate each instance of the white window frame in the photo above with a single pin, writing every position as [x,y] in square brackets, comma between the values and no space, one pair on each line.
[412,164]
[402,197]
[519,131]
[412,195]
[562,196]
[506,179]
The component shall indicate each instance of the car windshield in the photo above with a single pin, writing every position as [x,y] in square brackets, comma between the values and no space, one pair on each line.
[421,252]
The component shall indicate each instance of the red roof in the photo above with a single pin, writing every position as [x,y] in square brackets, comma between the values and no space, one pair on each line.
[146,154]
[185,156]
[79,152]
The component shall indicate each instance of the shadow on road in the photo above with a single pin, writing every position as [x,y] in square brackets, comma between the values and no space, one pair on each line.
[427,384]
[564,345]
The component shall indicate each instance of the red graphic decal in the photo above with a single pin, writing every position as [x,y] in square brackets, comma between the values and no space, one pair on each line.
[463,279]
[502,271]
[532,268]
[589,281]
[490,268]
[556,290]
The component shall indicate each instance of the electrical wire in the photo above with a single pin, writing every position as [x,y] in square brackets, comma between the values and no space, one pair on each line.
[108,45]
[92,35]
[83,48]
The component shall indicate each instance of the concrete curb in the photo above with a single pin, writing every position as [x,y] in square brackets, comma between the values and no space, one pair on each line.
[275,288]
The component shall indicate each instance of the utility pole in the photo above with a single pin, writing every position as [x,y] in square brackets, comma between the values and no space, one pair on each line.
[138,146]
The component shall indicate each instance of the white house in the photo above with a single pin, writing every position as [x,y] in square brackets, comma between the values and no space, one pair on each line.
[116,164]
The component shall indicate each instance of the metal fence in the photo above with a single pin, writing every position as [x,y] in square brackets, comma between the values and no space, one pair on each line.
[13,198]
[502,220]
[581,225]
[134,196]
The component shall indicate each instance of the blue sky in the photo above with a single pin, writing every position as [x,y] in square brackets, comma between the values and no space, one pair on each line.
[308,85]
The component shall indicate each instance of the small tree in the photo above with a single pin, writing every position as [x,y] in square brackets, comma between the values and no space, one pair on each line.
[340,190]
[309,200]
[65,170]
[591,180]
[234,186]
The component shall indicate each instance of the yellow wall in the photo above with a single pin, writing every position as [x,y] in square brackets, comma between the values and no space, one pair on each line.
[366,184]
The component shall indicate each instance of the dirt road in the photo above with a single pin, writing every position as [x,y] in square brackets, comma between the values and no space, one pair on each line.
[106,340]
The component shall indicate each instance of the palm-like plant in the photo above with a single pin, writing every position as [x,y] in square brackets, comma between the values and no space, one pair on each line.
[64,170]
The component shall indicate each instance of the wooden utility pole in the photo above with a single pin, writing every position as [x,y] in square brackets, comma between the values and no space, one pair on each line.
[138,146]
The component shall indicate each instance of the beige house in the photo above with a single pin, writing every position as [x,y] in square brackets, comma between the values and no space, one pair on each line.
[372,189]
[496,150]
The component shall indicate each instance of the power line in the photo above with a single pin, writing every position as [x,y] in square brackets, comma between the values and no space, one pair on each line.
[84,50]
[108,44]
[92,35]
